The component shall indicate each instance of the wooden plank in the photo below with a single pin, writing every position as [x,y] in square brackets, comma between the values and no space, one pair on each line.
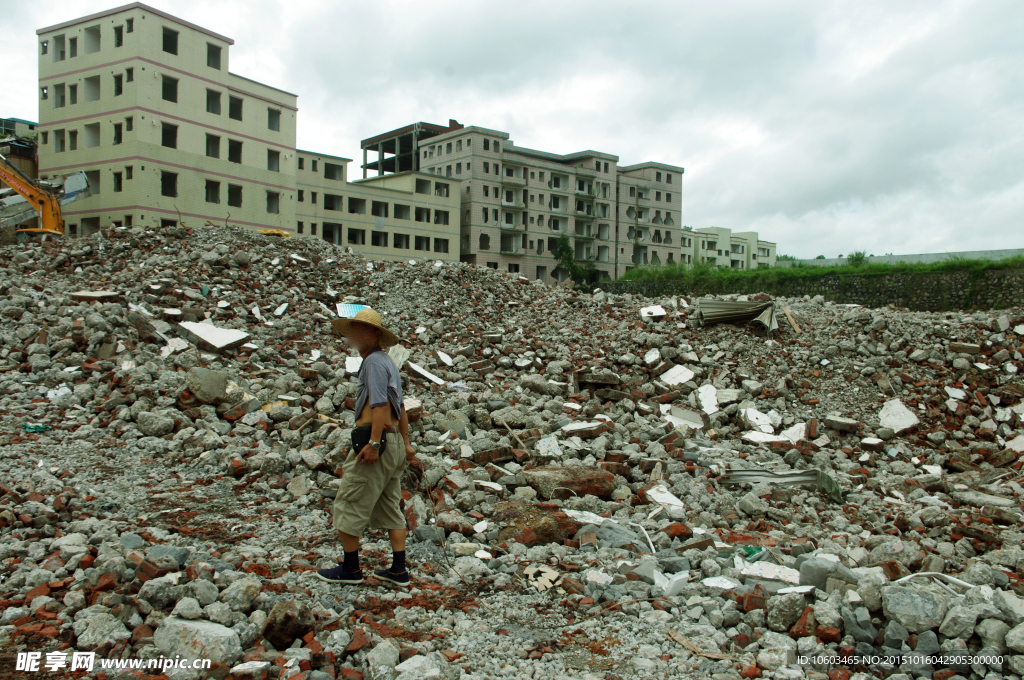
[793,323]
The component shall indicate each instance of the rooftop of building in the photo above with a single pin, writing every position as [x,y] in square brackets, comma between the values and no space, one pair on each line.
[131,6]
[651,164]
[320,154]
[409,129]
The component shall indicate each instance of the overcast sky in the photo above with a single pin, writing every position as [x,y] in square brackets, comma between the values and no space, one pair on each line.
[827,127]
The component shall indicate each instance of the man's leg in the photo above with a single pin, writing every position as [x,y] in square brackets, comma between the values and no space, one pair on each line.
[397,537]
[350,544]
[360,485]
[387,512]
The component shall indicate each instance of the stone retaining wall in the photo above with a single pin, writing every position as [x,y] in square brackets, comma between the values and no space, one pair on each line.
[940,291]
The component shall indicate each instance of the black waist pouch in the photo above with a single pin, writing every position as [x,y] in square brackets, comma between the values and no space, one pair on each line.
[361,437]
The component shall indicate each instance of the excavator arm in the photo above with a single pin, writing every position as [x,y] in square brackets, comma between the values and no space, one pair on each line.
[46,203]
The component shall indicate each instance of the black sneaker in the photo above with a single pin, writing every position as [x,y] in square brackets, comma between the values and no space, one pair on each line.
[400,579]
[339,574]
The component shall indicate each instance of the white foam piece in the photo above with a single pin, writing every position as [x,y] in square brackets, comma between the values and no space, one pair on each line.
[219,338]
[352,364]
[424,373]
[955,393]
[708,397]
[652,311]
[676,375]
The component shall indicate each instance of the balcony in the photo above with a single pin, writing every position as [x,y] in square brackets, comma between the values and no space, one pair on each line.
[513,181]
[513,205]
[584,234]
[512,227]
[581,171]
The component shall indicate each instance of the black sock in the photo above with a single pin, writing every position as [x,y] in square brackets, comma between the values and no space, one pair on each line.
[351,562]
[397,561]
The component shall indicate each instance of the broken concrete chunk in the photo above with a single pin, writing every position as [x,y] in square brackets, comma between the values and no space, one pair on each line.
[209,387]
[197,639]
[842,424]
[756,420]
[897,417]
[554,482]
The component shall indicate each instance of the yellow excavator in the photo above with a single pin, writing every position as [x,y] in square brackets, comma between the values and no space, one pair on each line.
[42,198]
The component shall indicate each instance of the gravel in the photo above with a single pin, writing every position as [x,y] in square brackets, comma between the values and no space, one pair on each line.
[166,488]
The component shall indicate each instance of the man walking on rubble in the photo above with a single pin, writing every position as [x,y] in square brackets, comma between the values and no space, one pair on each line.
[371,489]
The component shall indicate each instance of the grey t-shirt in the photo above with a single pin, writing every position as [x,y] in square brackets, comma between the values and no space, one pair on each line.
[379,383]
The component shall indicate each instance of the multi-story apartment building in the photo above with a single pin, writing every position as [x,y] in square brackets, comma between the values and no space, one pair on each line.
[721,247]
[396,216]
[146,105]
[517,201]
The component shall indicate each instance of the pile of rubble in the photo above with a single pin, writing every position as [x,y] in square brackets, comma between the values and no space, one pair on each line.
[608,486]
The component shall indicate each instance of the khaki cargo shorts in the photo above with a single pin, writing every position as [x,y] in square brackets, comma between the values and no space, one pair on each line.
[370,495]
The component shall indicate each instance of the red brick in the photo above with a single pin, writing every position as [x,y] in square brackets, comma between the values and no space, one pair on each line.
[572,586]
[750,672]
[351,674]
[141,631]
[107,581]
[839,674]
[804,625]
[527,537]
[148,570]
[828,634]
[359,640]
[678,530]
[37,592]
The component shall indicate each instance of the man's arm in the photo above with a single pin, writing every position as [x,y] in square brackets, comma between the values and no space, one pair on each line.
[369,455]
[380,420]
[403,425]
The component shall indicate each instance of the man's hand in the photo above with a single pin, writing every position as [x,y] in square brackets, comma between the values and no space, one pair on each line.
[412,461]
[368,455]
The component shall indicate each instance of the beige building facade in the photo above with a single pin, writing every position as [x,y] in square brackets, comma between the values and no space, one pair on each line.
[516,201]
[406,215]
[146,105]
[723,248]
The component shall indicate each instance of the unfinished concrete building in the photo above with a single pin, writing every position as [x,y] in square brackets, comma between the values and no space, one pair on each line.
[517,201]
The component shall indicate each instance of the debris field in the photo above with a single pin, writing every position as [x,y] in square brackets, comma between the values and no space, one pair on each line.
[610,486]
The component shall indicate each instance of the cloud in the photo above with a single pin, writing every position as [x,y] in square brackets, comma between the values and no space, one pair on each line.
[827,127]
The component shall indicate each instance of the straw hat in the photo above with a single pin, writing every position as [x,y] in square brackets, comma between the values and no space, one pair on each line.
[369,317]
